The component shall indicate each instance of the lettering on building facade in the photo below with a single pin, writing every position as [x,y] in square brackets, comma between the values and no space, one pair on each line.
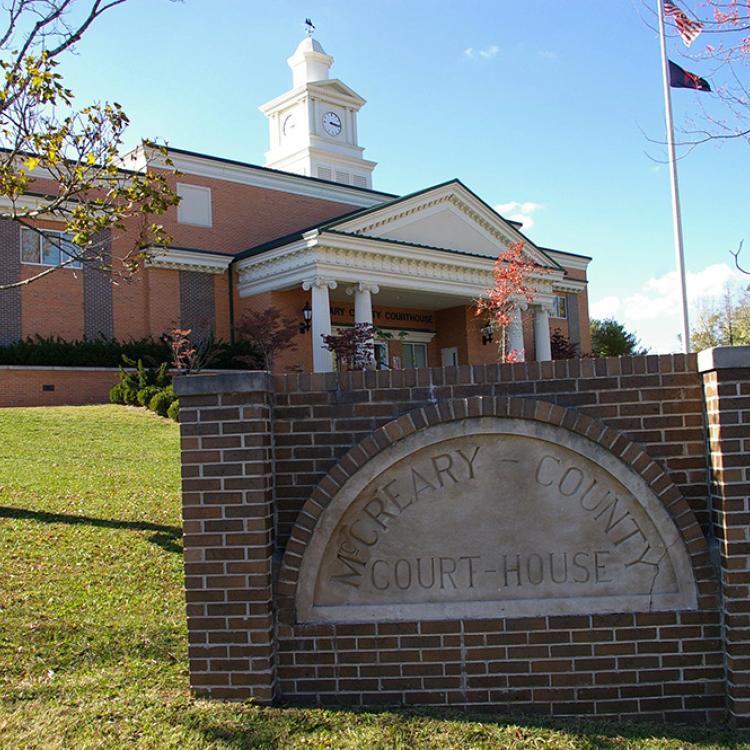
[493,517]
[386,318]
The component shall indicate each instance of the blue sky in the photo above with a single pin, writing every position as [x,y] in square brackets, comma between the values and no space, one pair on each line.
[544,109]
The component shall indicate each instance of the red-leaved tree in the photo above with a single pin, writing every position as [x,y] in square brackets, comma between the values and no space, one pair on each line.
[353,347]
[513,286]
[269,332]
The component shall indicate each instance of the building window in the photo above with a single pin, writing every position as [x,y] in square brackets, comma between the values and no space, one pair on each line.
[48,248]
[194,206]
[560,307]
[414,355]
[381,355]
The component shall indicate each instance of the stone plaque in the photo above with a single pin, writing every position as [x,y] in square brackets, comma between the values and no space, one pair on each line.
[493,517]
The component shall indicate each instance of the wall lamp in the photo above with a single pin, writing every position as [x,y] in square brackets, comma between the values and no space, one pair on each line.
[487,333]
[304,327]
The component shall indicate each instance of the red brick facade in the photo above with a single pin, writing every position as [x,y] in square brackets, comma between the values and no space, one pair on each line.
[73,303]
[648,410]
[56,386]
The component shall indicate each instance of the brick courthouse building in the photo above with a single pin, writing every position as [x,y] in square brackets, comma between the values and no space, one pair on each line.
[306,229]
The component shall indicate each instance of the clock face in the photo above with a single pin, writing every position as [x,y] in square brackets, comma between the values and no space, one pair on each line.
[288,125]
[331,123]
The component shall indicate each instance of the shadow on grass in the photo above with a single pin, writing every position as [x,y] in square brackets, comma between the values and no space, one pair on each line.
[166,537]
[250,726]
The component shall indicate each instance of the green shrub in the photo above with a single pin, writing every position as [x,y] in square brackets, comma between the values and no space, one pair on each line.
[103,352]
[174,410]
[145,394]
[116,394]
[161,401]
[129,394]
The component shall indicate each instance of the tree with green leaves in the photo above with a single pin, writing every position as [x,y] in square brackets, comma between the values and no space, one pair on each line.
[722,322]
[62,163]
[610,339]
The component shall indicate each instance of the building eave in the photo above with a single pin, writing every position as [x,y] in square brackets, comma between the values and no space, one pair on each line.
[351,258]
[230,170]
[188,259]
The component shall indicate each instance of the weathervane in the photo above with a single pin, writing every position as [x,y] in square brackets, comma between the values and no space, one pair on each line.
[309,27]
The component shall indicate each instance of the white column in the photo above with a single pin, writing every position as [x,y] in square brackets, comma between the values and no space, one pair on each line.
[363,301]
[321,320]
[515,335]
[542,342]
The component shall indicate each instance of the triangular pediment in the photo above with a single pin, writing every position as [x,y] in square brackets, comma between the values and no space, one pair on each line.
[447,217]
[334,87]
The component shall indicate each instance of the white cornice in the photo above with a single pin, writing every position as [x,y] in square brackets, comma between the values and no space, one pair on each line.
[247,174]
[568,260]
[188,260]
[332,90]
[351,259]
[32,203]
[572,286]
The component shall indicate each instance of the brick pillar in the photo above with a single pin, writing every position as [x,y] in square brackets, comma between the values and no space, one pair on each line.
[726,381]
[227,487]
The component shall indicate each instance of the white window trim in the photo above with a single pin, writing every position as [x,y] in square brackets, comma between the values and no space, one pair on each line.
[414,343]
[556,307]
[76,265]
[200,188]
[408,337]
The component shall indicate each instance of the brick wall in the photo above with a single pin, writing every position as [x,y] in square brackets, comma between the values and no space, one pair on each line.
[10,272]
[661,665]
[228,535]
[97,296]
[656,401]
[55,386]
[726,374]
[197,302]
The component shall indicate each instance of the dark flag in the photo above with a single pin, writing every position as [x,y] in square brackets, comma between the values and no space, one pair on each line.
[682,79]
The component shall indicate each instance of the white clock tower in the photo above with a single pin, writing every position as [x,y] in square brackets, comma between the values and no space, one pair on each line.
[313,127]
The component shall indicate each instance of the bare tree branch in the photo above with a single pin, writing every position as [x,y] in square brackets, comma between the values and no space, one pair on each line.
[736,254]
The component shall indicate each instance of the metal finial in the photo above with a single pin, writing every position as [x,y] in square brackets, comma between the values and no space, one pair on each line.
[309,27]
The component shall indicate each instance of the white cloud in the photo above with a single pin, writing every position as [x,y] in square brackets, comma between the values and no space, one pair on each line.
[606,307]
[654,310]
[660,296]
[548,54]
[519,211]
[487,53]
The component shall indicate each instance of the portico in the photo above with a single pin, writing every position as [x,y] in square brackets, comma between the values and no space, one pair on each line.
[431,251]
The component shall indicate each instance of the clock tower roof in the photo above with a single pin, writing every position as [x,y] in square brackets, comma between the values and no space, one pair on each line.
[309,63]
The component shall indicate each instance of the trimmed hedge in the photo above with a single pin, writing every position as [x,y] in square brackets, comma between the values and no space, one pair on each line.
[145,386]
[102,352]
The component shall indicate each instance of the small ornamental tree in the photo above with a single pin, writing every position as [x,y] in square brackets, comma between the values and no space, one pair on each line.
[191,354]
[354,347]
[562,347]
[269,332]
[513,285]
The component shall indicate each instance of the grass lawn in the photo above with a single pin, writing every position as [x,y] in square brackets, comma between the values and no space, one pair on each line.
[92,626]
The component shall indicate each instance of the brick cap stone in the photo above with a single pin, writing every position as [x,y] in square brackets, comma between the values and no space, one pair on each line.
[237,381]
[723,358]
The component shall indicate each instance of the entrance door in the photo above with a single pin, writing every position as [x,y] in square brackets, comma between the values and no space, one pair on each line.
[449,356]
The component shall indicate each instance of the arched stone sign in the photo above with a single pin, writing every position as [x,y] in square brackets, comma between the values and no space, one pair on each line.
[492,516]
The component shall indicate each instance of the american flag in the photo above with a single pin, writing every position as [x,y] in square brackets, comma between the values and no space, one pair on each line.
[688,28]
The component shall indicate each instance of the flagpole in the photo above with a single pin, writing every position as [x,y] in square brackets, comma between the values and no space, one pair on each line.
[676,215]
